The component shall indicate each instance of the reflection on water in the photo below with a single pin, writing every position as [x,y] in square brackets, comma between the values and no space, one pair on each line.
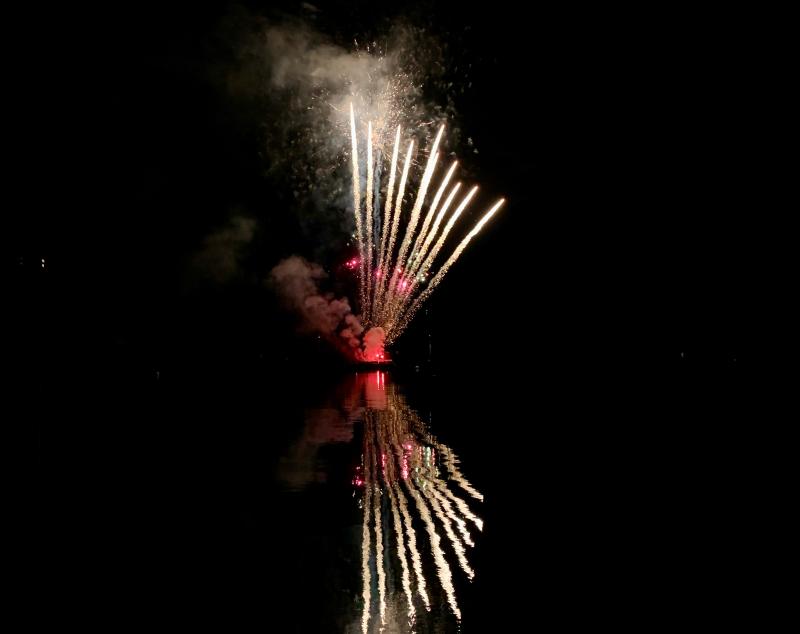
[400,474]
[417,518]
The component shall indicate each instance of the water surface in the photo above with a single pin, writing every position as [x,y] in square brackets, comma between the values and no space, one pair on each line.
[413,517]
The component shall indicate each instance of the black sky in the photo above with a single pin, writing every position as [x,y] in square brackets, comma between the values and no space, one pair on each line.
[619,138]
[609,318]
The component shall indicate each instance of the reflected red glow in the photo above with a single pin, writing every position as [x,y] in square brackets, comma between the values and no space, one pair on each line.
[374,392]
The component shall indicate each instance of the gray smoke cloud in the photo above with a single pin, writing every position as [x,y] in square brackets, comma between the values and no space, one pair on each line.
[220,256]
[300,84]
[300,467]
[296,282]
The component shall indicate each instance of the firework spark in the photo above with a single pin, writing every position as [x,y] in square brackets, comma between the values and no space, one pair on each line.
[399,461]
[395,282]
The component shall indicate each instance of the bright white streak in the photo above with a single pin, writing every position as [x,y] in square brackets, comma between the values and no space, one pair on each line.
[447,228]
[366,306]
[415,210]
[442,567]
[404,319]
[365,546]
[450,461]
[387,214]
[404,299]
[458,547]
[419,252]
[448,508]
[462,506]
[401,552]
[412,547]
[432,234]
[412,539]
[396,220]
[357,205]
[376,511]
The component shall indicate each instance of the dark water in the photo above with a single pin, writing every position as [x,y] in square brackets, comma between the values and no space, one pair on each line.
[399,550]
[220,496]
[305,503]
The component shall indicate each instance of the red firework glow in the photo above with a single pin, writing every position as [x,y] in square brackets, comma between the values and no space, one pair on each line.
[373,350]
[351,264]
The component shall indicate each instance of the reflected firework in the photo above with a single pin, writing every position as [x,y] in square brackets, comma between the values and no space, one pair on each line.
[406,474]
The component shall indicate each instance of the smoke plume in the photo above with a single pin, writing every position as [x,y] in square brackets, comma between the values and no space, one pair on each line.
[219,259]
[300,84]
[296,281]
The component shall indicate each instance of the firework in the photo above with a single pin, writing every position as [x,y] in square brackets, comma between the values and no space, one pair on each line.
[395,282]
[401,461]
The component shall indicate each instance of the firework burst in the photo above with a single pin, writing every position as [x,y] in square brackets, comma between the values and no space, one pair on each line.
[394,281]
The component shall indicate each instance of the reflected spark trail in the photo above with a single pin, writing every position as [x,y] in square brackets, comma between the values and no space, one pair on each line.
[412,539]
[401,553]
[462,506]
[399,457]
[392,282]
[365,546]
[450,461]
[387,432]
[376,501]
[442,567]
[424,486]
[448,510]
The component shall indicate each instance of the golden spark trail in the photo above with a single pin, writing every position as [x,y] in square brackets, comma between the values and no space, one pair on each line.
[413,221]
[397,314]
[440,216]
[395,222]
[447,228]
[395,280]
[403,322]
[416,256]
[368,280]
[357,206]
[415,210]
[387,213]
[400,309]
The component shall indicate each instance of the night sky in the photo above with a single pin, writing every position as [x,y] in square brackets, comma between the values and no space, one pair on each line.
[629,176]
[620,283]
